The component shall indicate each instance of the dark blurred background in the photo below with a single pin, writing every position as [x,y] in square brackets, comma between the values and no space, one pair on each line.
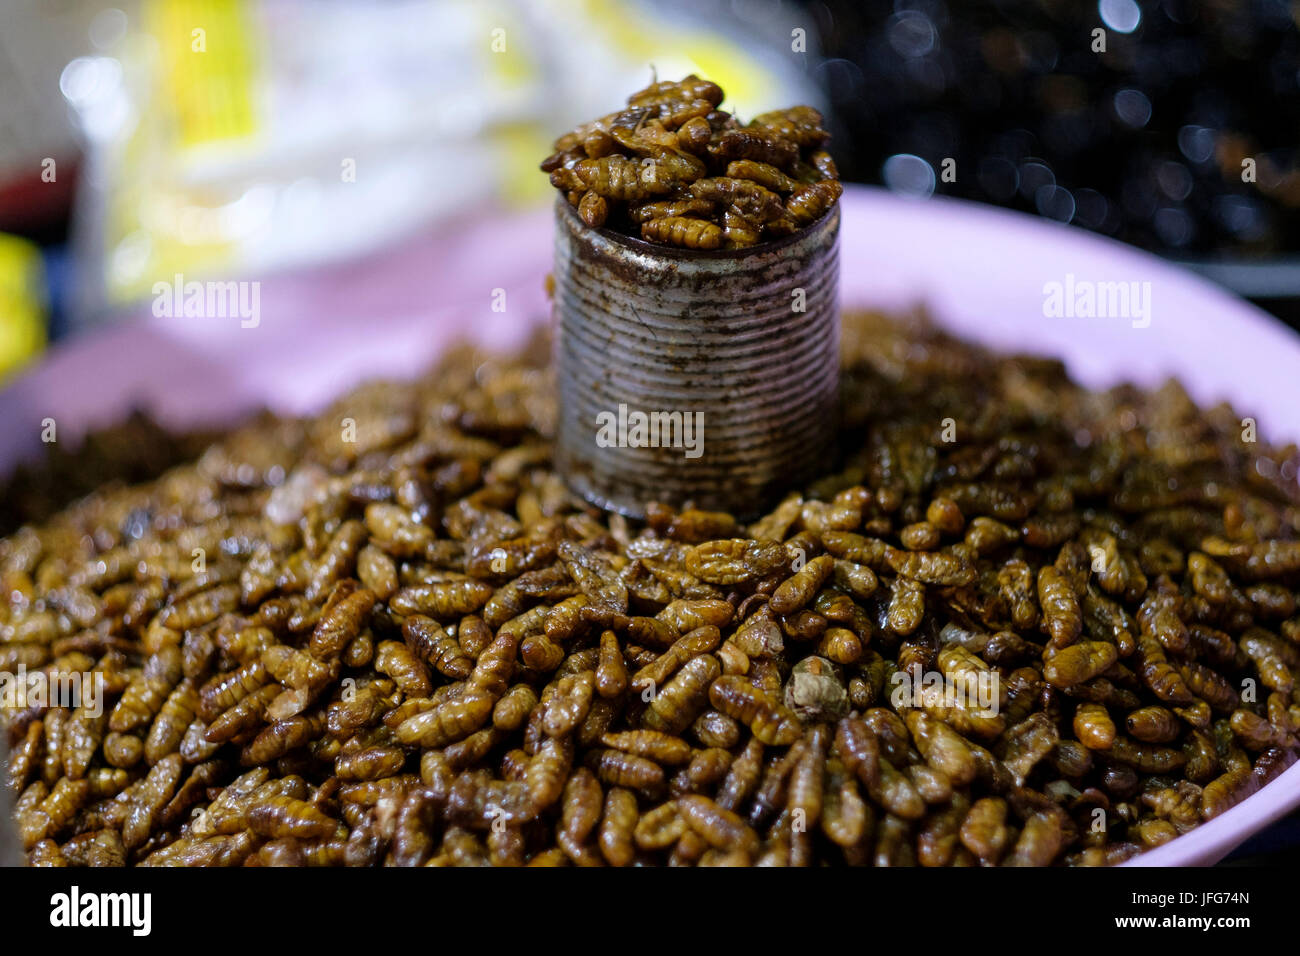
[1147,141]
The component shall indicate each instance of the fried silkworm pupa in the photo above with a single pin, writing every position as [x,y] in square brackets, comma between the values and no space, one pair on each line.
[1040,840]
[751,200]
[906,606]
[200,609]
[619,177]
[1153,725]
[714,729]
[26,756]
[46,853]
[372,763]
[611,670]
[1062,618]
[513,709]
[771,722]
[377,571]
[1078,663]
[244,716]
[570,705]
[846,817]
[984,830]
[593,208]
[620,769]
[659,827]
[808,203]
[660,747]
[82,735]
[704,772]
[618,824]
[742,777]
[495,665]
[148,799]
[699,641]
[938,842]
[666,209]
[755,144]
[145,695]
[1257,733]
[546,772]
[825,166]
[694,135]
[395,660]
[541,653]
[679,701]
[683,231]
[942,748]
[799,588]
[582,807]
[175,717]
[282,816]
[896,792]
[721,827]
[1227,790]
[799,124]
[762,173]
[97,848]
[282,737]
[733,561]
[1147,758]
[807,780]
[1094,727]
[893,846]
[443,600]
[690,87]
[338,560]
[447,722]
[1026,743]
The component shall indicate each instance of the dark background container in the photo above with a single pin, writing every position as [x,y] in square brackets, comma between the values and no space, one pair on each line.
[1144,141]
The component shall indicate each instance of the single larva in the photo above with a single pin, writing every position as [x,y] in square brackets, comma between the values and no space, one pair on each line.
[760,145]
[771,721]
[652,744]
[618,824]
[675,705]
[447,722]
[683,231]
[809,202]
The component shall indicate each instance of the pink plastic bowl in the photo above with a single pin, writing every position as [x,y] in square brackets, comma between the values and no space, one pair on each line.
[981,272]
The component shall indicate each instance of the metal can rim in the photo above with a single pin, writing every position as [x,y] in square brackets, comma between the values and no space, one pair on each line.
[678,252]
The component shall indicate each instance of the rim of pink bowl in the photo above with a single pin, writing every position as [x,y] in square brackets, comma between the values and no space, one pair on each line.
[980,271]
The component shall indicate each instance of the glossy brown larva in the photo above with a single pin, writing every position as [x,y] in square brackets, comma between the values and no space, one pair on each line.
[678,702]
[683,231]
[441,658]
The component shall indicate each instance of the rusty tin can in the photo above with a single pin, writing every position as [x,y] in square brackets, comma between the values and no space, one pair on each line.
[708,377]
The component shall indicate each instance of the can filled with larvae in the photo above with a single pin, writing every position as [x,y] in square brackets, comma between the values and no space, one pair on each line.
[696,271]
[708,376]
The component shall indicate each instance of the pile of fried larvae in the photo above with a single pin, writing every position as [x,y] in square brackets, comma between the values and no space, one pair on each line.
[1014,623]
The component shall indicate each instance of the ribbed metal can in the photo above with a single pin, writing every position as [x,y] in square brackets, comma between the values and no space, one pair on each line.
[708,377]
